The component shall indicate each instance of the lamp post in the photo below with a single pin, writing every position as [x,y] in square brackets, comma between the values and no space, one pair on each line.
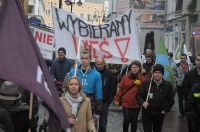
[70,3]
[96,13]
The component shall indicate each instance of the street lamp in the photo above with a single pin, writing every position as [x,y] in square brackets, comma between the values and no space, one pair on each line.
[70,3]
[99,16]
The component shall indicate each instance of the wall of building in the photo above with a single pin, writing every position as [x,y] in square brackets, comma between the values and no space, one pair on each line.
[48,13]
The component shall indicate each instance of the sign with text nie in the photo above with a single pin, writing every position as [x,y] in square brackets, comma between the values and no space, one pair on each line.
[44,40]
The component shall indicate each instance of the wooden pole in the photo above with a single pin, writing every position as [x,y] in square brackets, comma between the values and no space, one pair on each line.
[30,108]
[149,88]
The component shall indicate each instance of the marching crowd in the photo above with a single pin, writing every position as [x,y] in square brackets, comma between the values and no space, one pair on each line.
[87,91]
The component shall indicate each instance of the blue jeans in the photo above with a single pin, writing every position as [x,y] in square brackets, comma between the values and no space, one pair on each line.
[130,116]
[103,118]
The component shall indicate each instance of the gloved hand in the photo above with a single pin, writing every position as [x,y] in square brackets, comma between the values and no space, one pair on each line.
[32,124]
[117,103]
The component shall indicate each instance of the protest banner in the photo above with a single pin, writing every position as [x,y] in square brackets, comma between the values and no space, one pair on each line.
[44,40]
[116,40]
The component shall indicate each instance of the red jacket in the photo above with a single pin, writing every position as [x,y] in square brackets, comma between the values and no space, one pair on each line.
[128,99]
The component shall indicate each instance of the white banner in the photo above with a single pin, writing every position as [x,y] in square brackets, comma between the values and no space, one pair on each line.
[116,41]
[44,40]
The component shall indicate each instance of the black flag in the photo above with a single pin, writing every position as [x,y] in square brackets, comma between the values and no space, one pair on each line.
[21,62]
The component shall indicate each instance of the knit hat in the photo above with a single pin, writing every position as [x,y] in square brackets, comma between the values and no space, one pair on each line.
[62,49]
[158,67]
[9,91]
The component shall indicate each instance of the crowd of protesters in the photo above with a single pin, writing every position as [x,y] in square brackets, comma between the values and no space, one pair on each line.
[87,90]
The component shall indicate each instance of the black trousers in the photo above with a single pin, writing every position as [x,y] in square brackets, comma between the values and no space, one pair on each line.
[181,97]
[152,120]
[130,116]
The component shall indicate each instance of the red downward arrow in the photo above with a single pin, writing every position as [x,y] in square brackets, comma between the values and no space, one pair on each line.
[118,42]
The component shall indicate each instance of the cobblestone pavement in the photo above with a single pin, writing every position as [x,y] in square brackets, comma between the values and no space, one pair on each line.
[115,120]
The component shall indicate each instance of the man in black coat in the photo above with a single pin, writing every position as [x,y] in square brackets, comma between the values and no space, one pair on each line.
[108,89]
[190,79]
[160,100]
[5,121]
[193,109]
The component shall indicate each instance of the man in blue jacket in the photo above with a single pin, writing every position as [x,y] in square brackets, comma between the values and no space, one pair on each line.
[91,82]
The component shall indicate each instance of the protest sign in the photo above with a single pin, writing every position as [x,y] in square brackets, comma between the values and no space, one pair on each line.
[116,40]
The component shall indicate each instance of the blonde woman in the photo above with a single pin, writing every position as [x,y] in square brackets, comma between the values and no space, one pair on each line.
[77,107]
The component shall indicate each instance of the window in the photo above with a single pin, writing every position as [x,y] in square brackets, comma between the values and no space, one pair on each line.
[31,9]
[55,3]
[82,15]
[179,5]
[183,25]
[48,12]
[49,2]
[95,8]
[89,17]
[88,7]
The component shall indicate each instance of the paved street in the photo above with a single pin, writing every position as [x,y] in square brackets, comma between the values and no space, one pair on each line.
[171,124]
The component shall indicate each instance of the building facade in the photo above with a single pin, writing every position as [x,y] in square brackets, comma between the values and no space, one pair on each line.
[150,16]
[91,10]
[36,11]
[178,26]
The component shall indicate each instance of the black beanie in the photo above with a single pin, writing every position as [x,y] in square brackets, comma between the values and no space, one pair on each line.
[158,67]
[62,49]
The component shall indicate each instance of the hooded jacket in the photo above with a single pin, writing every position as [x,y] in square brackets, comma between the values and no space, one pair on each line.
[92,86]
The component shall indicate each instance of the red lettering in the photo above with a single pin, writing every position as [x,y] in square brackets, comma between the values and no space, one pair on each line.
[122,54]
[105,51]
[49,39]
[44,38]
[75,43]
[86,45]
[94,51]
[38,36]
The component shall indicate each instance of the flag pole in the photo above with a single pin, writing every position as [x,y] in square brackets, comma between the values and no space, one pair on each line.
[30,108]
[149,88]
[77,55]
